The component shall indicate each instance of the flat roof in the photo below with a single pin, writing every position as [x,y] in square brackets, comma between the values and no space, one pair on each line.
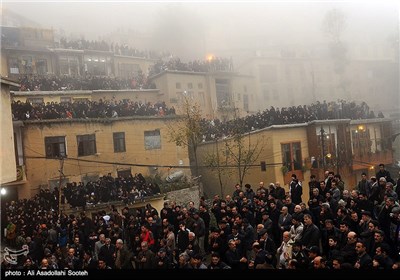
[8,81]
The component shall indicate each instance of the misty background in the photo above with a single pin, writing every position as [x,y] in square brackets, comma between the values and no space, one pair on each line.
[194,30]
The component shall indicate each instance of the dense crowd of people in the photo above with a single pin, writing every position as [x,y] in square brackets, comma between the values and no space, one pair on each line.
[214,64]
[85,82]
[118,49]
[341,109]
[88,109]
[107,188]
[270,227]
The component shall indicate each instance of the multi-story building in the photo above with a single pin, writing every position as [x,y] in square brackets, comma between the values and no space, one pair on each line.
[345,147]
[34,51]
[7,156]
[222,95]
[297,76]
[94,147]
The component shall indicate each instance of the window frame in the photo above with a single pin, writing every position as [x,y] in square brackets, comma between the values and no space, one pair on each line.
[119,142]
[84,149]
[148,146]
[55,143]
[291,164]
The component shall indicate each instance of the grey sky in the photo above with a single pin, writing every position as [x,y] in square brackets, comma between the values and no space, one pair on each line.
[216,26]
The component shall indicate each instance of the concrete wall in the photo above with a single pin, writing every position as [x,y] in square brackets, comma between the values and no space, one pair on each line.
[274,137]
[270,141]
[8,170]
[182,197]
[156,201]
[40,170]
[142,63]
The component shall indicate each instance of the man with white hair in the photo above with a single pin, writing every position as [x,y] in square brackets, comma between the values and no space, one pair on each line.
[122,256]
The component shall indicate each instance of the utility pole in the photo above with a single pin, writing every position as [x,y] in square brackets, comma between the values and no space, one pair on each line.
[59,185]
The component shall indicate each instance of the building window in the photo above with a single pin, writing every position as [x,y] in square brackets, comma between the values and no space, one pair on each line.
[291,156]
[65,99]
[55,147]
[222,87]
[13,64]
[86,145]
[245,102]
[41,66]
[361,141]
[178,85]
[119,142]
[200,85]
[35,100]
[152,139]
[190,85]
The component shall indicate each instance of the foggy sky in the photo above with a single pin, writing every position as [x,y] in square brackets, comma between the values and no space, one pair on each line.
[204,27]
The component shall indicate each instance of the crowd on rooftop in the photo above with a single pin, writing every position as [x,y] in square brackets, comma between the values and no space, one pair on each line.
[85,82]
[88,109]
[341,109]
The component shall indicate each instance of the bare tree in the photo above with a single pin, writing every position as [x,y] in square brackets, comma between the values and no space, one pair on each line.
[218,161]
[187,131]
[240,151]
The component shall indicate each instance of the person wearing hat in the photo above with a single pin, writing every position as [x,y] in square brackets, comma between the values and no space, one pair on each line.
[269,246]
[364,221]
[299,255]
[312,252]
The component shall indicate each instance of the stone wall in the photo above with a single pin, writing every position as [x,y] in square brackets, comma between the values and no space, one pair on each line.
[182,197]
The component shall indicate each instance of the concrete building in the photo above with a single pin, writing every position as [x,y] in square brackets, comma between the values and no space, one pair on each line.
[8,171]
[345,147]
[95,147]
[296,77]
[222,95]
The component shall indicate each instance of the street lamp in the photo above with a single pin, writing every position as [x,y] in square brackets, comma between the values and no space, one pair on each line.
[3,191]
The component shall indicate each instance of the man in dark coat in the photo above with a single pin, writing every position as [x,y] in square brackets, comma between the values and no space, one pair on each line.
[122,256]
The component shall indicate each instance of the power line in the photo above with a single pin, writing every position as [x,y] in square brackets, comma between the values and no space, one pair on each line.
[151,165]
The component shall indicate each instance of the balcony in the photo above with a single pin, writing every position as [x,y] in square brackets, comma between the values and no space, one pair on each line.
[372,159]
